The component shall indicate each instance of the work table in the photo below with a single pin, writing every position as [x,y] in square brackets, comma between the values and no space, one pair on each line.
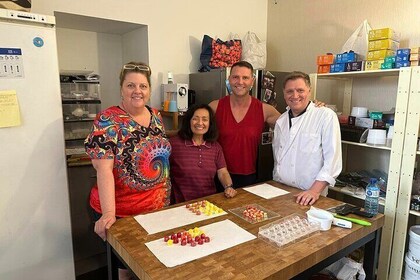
[255,259]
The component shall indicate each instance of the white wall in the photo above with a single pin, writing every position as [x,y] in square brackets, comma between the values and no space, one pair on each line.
[175,28]
[299,30]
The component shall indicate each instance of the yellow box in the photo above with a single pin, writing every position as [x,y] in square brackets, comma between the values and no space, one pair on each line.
[414,56]
[414,63]
[373,64]
[383,33]
[381,54]
[386,44]
[415,50]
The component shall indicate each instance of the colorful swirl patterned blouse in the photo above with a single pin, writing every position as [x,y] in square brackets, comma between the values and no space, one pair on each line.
[141,160]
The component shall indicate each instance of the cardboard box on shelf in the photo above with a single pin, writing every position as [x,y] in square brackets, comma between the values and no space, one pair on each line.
[402,58]
[336,68]
[414,56]
[414,63]
[355,66]
[415,50]
[385,44]
[369,123]
[383,33]
[389,59]
[323,69]
[345,57]
[373,64]
[388,65]
[381,54]
[402,64]
[403,52]
[325,59]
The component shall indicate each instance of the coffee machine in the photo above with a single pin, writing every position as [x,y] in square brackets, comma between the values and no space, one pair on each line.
[175,97]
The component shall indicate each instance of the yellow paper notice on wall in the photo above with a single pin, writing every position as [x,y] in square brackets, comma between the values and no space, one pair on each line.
[9,109]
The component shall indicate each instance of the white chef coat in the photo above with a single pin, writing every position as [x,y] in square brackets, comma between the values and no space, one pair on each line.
[309,150]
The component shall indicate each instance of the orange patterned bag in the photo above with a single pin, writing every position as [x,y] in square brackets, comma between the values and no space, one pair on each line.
[216,53]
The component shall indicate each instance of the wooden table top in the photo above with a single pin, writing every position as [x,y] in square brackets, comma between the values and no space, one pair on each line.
[255,259]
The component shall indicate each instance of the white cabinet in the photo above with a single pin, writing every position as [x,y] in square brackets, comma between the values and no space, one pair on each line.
[380,90]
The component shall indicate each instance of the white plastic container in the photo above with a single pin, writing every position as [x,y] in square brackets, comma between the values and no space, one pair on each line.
[376,137]
[414,244]
[324,218]
[412,269]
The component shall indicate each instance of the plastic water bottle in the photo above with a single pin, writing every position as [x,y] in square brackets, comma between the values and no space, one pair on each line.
[372,197]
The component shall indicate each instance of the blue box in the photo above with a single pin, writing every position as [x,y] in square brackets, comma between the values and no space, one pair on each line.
[402,58]
[339,67]
[403,52]
[346,57]
[402,64]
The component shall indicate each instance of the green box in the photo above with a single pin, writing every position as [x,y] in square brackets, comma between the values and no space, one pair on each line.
[390,59]
[375,115]
[387,65]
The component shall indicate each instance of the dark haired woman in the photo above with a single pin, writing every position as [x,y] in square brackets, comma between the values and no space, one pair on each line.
[197,157]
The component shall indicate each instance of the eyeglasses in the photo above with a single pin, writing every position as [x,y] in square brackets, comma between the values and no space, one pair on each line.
[139,67]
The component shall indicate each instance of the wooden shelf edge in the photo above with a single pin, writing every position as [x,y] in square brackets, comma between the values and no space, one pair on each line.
[381,147]
[361,197]
[415,213]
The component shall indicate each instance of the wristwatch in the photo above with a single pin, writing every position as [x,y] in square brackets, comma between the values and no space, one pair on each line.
[228,186]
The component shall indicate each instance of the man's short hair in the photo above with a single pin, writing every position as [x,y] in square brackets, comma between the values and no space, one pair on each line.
[243,63]
[297,75]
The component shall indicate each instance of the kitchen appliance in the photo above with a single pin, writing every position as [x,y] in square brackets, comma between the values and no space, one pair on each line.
[34,200]
[175,97]
[212,85]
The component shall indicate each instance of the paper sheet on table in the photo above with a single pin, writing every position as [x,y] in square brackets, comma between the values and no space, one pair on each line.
[223,235]
[266,191]
[170,218]
[9,109]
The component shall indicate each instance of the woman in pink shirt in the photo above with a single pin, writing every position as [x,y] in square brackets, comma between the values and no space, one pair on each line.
[197,157]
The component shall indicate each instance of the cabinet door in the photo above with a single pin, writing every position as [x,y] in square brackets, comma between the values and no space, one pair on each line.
[87,246]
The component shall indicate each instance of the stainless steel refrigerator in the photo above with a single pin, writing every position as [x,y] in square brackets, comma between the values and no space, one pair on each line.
[209,86]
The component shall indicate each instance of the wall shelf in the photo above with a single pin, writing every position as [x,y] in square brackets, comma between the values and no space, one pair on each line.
[396,205]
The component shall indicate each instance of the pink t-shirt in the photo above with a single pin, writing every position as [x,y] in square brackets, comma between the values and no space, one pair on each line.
[193,168]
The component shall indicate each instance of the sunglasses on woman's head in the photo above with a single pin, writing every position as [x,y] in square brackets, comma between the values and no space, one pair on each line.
[133,67]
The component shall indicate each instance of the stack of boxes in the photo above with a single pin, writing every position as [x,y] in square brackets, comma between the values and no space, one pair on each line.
[414,56]
[343,62]
[383,43]
[383,53]
[324,63]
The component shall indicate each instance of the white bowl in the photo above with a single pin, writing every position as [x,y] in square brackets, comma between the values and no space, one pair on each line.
[359,112]
[324,218]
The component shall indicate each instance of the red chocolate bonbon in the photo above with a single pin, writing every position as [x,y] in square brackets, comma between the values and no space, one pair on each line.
[192,236]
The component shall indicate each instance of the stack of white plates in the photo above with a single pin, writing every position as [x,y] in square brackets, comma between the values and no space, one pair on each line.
[376,137]
[359,112]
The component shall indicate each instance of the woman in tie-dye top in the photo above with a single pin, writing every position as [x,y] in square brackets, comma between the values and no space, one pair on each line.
[130,152]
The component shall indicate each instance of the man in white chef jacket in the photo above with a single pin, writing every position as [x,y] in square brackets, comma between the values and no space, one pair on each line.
[307,142]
